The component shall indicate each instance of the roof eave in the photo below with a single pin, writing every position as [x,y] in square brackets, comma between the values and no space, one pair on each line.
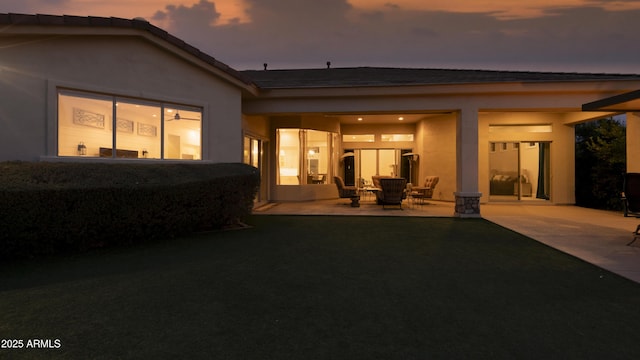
[620,103]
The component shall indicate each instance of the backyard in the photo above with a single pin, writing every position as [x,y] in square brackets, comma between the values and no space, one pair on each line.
[322,287]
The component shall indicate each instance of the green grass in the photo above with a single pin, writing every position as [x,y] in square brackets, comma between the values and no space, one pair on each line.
[324,288]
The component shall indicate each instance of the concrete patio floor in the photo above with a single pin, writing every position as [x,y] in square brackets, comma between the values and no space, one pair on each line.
[595,236]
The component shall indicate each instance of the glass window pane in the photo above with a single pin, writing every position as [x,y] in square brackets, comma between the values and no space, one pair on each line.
[138,126]
[396,137]
[255,153]
[358,138]
[368,164]
[288,156]
[182,133]
[84,124]
[387,164]
[317,156]
[246,151]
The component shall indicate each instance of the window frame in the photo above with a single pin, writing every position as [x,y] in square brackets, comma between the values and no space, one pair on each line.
[112,117]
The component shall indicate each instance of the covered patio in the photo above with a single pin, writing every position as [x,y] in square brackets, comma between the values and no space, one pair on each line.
[490,136]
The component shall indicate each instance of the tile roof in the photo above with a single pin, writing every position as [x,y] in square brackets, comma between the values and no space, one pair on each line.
[377,76]
[140,24]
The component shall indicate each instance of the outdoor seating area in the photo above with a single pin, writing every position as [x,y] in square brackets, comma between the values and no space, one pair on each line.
[387,191]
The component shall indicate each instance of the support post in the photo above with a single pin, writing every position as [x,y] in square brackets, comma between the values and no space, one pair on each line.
[467,194]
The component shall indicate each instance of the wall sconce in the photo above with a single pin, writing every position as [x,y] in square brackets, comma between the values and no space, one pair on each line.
[82,148]
[145,153]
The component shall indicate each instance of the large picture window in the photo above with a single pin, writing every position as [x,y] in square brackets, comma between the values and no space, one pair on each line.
[92,125]
[305,156]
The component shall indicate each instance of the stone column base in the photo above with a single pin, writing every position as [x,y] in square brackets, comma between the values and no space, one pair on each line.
[467,204]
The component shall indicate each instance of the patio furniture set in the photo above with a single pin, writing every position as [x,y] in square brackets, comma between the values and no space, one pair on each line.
[388,190]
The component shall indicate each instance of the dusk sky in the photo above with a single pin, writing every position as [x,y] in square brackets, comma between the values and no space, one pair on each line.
[537,35]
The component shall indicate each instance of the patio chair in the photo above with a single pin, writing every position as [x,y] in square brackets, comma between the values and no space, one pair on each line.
[631,199]
[393,191]
[375,180]
[350,192]
[420,193]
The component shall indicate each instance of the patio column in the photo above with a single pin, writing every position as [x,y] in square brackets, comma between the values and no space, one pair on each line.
[467,195]
[633,144]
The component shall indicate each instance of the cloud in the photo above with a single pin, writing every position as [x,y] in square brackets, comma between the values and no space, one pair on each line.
[199,17]
[573,39]
[564,35]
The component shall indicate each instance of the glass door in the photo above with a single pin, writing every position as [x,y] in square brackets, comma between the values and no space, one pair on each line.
[383,162]
[519,171]
[504,171]
[254,154]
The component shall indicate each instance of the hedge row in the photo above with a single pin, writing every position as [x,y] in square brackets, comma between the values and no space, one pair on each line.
[48,208]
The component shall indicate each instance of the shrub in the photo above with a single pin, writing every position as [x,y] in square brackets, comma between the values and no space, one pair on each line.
[47,208]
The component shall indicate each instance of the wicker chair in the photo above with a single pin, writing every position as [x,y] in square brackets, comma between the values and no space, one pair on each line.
[392,191]
[420,193]
[350,192]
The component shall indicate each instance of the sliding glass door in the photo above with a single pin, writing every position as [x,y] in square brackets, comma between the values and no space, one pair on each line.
[519,171]
[384,162]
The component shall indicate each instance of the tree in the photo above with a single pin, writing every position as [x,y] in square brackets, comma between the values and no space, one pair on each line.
[600,163]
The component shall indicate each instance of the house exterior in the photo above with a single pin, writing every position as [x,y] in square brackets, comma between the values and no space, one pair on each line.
[109,89]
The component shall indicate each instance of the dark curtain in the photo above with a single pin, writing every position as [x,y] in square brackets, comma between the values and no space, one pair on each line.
[541,193]
[349,169]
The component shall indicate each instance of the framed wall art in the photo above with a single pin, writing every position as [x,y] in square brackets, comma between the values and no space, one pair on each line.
[124,125]
[147,129]
[88,118]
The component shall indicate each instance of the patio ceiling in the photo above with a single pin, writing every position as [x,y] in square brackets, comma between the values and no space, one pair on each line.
[368,119]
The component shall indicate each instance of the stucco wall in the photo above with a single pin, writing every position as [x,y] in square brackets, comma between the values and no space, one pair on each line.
[32,68]
[257,126]
[633,147]
[438,154]
[377,131]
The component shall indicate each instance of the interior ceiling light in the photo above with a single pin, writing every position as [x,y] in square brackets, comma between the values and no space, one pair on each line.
[400,118]
[359,119]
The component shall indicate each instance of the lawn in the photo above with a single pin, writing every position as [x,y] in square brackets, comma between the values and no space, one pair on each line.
[323,287]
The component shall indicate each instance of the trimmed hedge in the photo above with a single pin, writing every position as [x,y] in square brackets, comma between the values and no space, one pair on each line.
[48,208]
